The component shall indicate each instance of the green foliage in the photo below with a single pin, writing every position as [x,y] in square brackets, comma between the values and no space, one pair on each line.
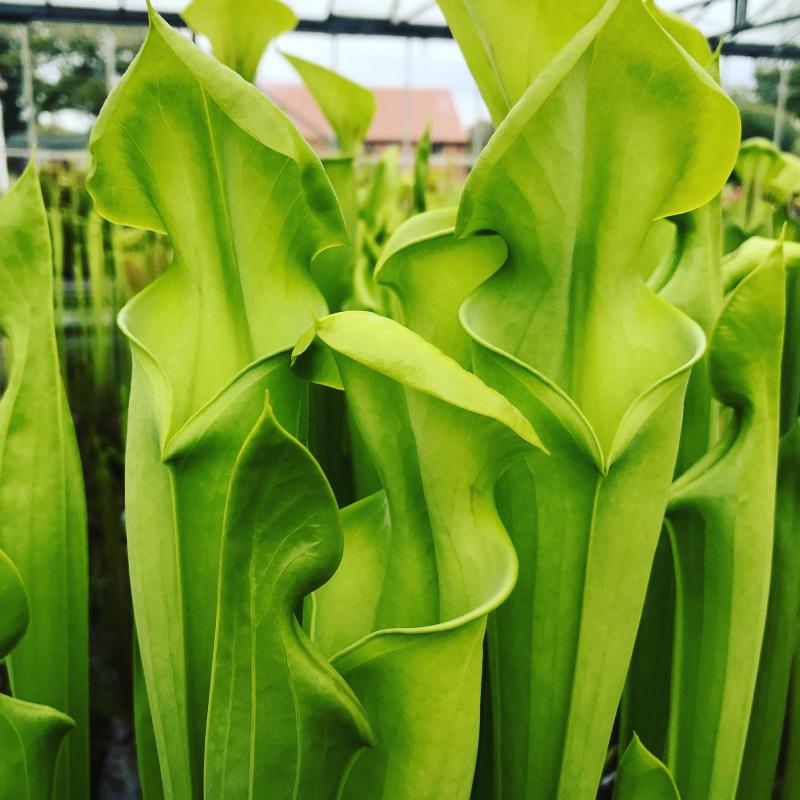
[791,780]
[641,776]
[422,172]
[30,735]
[14,606]
[30,738]
[770,194]
[613,443]
[347,106]
[42,507]
[240,36]
[722,545]
[425,560]
[758,163]
[777,650]
[200,374]
[305,725]
[690,277]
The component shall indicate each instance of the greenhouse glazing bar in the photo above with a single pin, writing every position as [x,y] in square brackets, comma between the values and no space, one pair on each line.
[22,13]
[755,50]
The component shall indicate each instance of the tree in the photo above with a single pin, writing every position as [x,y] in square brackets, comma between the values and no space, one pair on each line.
[767,79]
[69,71]
[11,91]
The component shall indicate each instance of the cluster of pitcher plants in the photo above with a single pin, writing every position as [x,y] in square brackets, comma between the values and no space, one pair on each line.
[499,501]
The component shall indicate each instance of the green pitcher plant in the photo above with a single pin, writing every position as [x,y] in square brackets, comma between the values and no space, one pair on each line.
[191,419]
[42,504]
[721,522]
[585,522]
[766,721]
[641,776]
[768,194]
[690,277]
[205,345]
[425,560]
[239,35]
[31,735]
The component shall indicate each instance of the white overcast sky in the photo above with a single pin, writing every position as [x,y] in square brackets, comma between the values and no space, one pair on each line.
[392,61]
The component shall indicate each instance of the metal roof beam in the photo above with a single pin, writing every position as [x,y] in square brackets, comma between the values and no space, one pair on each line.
[752,26]
[22,13]
[19,13]
[367,26]
[755,50]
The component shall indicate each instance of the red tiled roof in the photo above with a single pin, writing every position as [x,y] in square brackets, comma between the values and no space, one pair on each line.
[401,114]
